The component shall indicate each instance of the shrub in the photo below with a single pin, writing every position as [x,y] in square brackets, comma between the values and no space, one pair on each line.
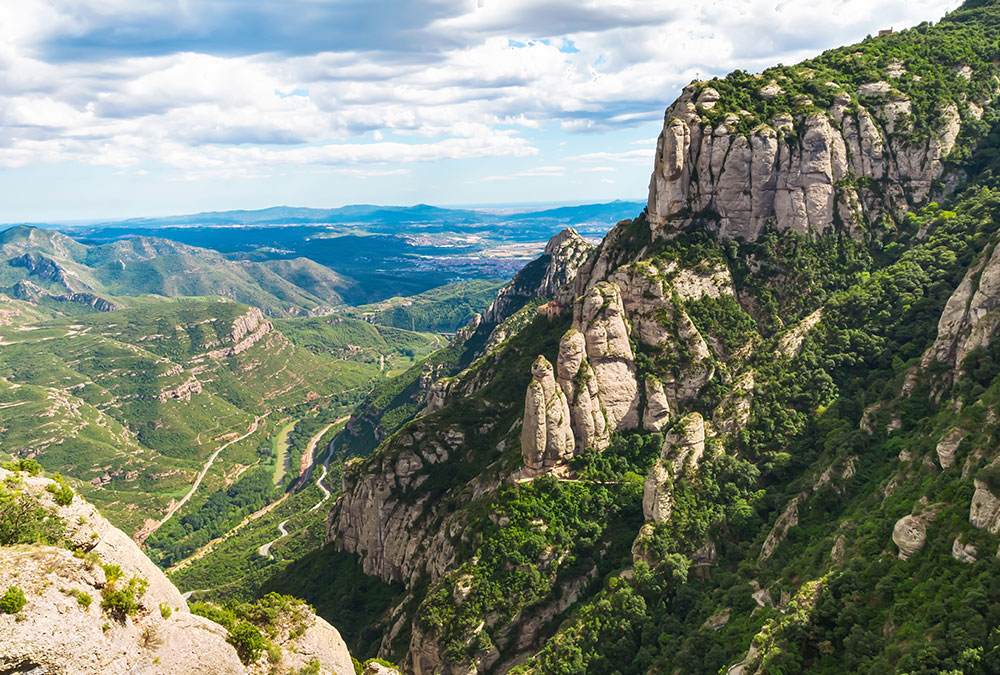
[29,466]
[12,601]
[62,492]
[82,597]
[165,610]
[247,640]
[112,573]
[23,521]
[124,601]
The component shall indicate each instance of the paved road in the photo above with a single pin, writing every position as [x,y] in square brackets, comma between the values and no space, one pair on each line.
[265,550]
[145,533]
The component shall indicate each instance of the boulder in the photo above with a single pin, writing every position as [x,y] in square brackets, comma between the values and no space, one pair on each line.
[909,534]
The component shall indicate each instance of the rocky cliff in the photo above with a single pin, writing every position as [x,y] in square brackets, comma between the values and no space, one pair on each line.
[808,167]
[75,620]
[725,419]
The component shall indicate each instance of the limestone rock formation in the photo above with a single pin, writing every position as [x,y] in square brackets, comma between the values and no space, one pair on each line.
[656,415]
[579,383]
[948,446]
[969,318]
[657,500]
[909,534]
[963,551]
[766,176]
[684,445]
[546,436]
[600,316]
[682,450]
[383,518]
[247,330]
[63,628]
[789,518]
[558,266]
[984,513]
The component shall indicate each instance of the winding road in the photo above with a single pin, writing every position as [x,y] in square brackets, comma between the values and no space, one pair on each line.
[265,550]
[145,533]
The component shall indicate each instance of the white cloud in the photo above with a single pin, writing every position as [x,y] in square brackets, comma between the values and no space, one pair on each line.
[239,87]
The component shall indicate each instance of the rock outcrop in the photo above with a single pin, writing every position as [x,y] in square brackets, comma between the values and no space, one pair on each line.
[384,518]
[63,628]
[963,551]
[543,277]
[969,318]
[600,317]
[948,446]
[681,454]
[546,435]
[795,180]
[984,513]
[909,534]
[247,330]
[579,383]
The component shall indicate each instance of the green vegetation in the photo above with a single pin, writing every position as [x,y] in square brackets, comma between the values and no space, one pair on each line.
[248,641]
[355,604]
[23,520]
[930,57]
[122,600]
[253,625]
[61,492]
[12,601]
[440,310]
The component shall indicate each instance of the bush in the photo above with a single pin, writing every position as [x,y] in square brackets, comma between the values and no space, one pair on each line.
[29,466]
[247,640]
[12,601]
[62,492]
[123,602]
[23,521]
[165,610]
[82,597]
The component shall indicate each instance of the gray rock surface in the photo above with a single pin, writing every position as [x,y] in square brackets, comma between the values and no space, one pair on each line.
[909,534]
[749,180]
[546,434]
[984,513]
[56,633]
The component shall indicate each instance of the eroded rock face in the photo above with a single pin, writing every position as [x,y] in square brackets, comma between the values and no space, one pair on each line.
[789,518]
[384,518]
[984,513]
[247,330]
[600,316]
[684,445]
[682,451]
[969,318]
[963,552]
[657,413]
[909,534]
[948,446]
[749,180]
[579,383]
[546,435]
[558,266]
[657,500]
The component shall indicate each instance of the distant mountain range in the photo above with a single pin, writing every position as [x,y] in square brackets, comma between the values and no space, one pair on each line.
[375,215]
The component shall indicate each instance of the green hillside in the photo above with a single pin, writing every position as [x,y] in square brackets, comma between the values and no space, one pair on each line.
[51,268]
[133,402]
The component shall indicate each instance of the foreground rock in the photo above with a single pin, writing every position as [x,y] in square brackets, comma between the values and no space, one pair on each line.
[70,625]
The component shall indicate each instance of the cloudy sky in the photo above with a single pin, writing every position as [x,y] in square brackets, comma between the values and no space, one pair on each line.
[117,108]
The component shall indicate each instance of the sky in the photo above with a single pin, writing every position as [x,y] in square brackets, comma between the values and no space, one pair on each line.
[122,108]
